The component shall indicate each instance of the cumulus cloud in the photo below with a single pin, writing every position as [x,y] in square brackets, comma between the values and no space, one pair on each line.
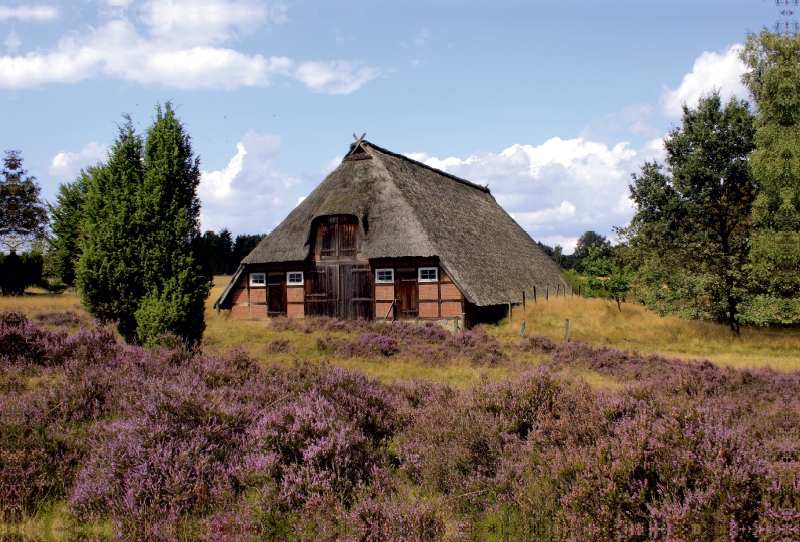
[28,13]
[13,42]
[722,70]
[198,22]
[559,189]
[248,195]
[67,165]
[182,48]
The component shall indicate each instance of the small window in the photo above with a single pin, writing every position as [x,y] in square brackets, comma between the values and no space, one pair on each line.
[428,274]
[258,279]
[294,278]
[384,275]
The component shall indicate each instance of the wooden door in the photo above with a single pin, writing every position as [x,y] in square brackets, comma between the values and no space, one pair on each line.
[407,294]
[357,298]
[276,294]
[322,291]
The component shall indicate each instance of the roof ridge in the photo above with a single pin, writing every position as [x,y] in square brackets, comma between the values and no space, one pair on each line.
[426,166]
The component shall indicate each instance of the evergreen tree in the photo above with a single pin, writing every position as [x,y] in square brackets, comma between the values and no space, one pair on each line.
[692,225]
[109,272]
[242,246]
[774,267]
[141,261]
[66,219]
[176,280]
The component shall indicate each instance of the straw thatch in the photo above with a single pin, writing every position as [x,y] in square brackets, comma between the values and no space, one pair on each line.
[408,209]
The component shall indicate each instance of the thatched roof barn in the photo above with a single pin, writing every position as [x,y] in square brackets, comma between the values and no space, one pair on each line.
[382,211]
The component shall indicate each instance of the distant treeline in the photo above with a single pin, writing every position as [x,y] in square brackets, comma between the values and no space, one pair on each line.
[224,253]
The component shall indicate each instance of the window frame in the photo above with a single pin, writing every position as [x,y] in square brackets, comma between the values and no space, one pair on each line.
[252,279]
[435,271]
[302,278]
[384,281]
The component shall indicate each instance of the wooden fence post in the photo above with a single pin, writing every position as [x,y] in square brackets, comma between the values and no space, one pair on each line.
[523,301]
[547,293]
[566,330]
[534,295]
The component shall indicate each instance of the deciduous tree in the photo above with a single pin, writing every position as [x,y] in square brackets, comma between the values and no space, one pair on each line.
[692,226]
[774,268]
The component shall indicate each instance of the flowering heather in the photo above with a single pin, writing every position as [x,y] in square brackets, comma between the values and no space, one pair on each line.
[168,441]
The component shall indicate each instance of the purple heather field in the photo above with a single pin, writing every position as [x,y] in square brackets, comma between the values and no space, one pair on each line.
[171,444]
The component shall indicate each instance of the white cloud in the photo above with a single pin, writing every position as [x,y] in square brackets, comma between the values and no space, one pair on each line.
[248,195]
[67,165]
[13,42]
[205,21]
[721,70]
[184,50]
[559,189]
[28,13]
[336,77]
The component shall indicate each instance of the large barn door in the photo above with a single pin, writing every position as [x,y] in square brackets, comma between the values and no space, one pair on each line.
[337,284]
[407,304]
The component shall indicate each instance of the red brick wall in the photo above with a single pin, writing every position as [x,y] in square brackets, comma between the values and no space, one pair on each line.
[381,309]
[385,293]
[429,292]
[294,295]
[240,311]
[450,309]
[258,311]
[239,296]
[428,310]
[258,295]
[295,310]
[449,291]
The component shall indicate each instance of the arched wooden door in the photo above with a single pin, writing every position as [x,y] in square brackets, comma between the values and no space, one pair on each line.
[338,283]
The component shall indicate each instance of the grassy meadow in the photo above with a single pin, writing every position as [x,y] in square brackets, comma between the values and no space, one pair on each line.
[593,321]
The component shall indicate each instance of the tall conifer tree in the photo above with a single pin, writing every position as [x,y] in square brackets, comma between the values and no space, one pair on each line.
[109,271]
[176,281]
[774,267]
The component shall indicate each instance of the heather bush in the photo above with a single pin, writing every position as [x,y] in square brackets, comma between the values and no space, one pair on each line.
[164,439]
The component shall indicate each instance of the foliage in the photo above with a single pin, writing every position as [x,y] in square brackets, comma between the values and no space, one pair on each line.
[585,243]
[170,443]
[689,235]
[141,262]
[23,216]
[66,217]
[774,267]
[607,274]
[18,271]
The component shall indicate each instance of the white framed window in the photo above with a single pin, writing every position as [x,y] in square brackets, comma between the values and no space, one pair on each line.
[258,279]
[294,278]
[384,275]
[428,274]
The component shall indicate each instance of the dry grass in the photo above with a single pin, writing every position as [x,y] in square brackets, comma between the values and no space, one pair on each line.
[597,321]
[37,301]
[591,320]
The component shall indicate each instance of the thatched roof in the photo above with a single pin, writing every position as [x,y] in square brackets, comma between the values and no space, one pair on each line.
[409,209]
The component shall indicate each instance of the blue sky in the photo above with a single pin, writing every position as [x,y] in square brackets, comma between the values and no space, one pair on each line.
[552,103]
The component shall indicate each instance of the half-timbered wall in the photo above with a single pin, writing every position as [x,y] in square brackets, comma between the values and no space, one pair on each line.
[335,281]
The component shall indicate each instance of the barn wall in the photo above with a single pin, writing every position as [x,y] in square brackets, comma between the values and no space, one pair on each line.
[405,299]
